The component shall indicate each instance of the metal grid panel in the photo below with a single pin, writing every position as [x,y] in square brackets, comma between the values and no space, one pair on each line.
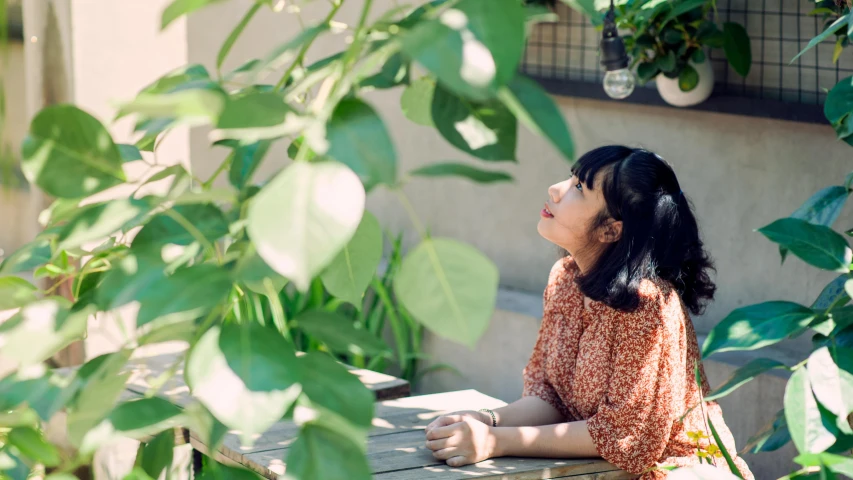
[568,50]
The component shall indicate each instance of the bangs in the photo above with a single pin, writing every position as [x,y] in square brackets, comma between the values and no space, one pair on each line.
[594,162]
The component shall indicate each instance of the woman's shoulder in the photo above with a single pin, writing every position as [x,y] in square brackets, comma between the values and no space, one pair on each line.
[563,271]
[660,303]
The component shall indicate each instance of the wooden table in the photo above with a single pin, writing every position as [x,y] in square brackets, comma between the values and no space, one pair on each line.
[396,447]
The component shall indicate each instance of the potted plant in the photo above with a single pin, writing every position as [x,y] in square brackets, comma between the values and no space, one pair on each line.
[669,41]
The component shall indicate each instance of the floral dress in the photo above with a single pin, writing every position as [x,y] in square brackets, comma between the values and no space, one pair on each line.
[630,375]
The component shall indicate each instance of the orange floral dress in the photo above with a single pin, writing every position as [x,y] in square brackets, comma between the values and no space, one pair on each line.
[629,375]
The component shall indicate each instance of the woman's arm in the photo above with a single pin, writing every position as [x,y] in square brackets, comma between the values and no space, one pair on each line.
[527,411]
[564,440]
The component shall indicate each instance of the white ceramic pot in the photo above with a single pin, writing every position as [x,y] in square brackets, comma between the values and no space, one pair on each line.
[672,94]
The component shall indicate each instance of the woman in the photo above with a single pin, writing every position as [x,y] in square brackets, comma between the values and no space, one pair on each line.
[612,371]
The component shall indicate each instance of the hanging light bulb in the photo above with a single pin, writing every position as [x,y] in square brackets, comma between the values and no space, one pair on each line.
[619,82]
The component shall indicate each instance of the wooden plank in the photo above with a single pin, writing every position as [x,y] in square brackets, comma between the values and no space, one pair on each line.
[511,468]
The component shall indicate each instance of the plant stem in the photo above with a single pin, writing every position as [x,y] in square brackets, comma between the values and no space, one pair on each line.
[189,227]
[301,55]
[206,185]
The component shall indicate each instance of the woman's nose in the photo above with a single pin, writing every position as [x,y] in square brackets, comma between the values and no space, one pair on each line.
[554,193]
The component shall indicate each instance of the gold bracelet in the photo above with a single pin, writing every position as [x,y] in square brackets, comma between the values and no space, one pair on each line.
[492,413]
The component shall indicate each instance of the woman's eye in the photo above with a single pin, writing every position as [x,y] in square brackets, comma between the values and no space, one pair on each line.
[579,186]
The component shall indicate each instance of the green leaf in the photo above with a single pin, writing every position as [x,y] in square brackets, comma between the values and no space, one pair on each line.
[45,394]
[339,333]
[232,37]
[328,384]
[158,454]
[538,112]
[135,419]
[179,8]
[647,71]
[732,467]
[349,274]
[297,227]
[16,292]
[830,30]
[323,453]
[69,154]
[756,326]
[486,130]
[197,102]
[462,170]
[473,47]
[188,293]
[698,57]
[688,79]
[128,280]
[839,101]
[40,329]
[666,63]
[680,8]
[833,292]
[12,466]
[226,472]
[34,446]
[416,101]
[358,138]
[244,161]
[772,437]
[26,258]
[743,375]
[822,208]
[281,56]
[817,245]
[738,48]
[450,287]
[255,273]
[256,116]
[804,420]
[94,222]
[836,463]
[394,72]
[100,384]
[832,383]
[246,377]
[171,226]
[129,153]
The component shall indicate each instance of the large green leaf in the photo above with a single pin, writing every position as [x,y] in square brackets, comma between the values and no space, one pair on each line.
[256,116]
[822,208]
[328,384]
[135,419]
[817,245]
[743,375]
[738,48]
[157,455]
[680,8]
[180,225]
[304,216]
[839,101]
[45,394]
[129,153]
[339,334]
[772,437]
[832,383]
[188,293]
[179,8]
[41,329]
[394,72]
[450,287]
[830,30]
[128,280]
[487,130]
[473,48]
[538,112]
[100,382]
[804,419]
[32,444]
[255,273]
[26,258]
[349,274]
[100,220]
[757,326]
[461,170]
[197,102]
[323,453]
[416,101]
[244,160]
[245,376]
[15,292]
[69,154]
[836,463]
[358,138]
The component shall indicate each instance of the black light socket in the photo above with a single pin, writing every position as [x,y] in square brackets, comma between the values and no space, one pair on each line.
[613,53]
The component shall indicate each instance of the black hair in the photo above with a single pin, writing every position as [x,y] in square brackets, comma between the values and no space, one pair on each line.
[660,236]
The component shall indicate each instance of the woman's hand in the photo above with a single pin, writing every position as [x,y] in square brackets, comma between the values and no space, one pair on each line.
[460,439]
[457,417]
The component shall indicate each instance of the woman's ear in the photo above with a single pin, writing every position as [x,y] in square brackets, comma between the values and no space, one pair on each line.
[610,232]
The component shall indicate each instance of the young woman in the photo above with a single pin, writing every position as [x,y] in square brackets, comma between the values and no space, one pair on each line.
[612,371]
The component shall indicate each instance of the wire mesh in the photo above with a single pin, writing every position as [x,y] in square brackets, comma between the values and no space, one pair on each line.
[778,29]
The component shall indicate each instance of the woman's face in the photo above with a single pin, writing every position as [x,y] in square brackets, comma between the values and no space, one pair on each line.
[569,213]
